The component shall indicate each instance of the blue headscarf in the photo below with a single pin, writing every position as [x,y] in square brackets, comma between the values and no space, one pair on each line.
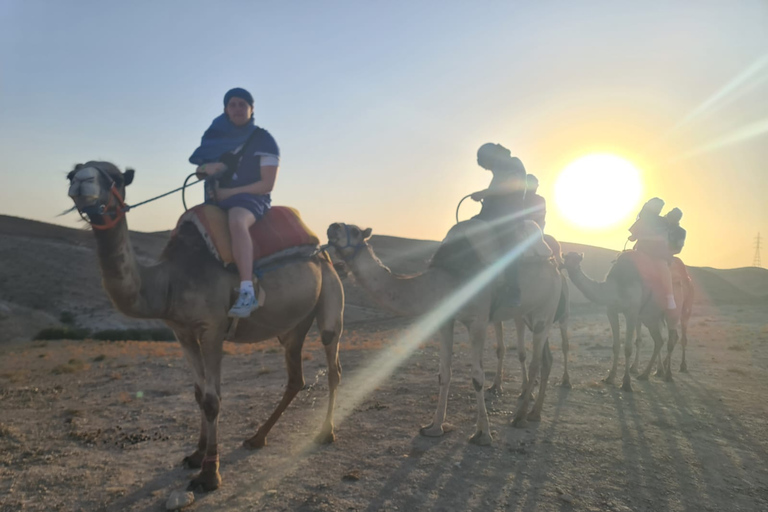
[221,137]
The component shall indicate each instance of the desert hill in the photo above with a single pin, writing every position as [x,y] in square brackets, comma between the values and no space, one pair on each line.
[47,270]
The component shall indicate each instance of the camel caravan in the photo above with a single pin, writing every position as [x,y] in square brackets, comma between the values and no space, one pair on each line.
[237,268]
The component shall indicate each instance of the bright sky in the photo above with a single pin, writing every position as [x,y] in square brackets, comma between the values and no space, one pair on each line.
[379,107]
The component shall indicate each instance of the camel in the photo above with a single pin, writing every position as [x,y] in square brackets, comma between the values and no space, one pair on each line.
[623,292]
[562,321]
[192,291]
[447,285]
[683,287]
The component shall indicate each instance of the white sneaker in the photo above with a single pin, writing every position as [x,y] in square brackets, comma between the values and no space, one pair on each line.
[244,305]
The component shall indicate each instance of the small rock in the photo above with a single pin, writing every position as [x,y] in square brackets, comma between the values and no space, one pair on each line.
[271,492]
[179,499]
[566,498]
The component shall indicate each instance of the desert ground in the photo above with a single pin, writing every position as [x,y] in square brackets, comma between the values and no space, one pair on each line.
[94,425]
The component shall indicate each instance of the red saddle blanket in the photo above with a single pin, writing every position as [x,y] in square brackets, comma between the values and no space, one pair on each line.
[649,271]
[280,229]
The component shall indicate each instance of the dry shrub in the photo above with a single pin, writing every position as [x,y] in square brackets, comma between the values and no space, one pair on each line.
[124,397]
[115,376]
[263,370]
[73,365]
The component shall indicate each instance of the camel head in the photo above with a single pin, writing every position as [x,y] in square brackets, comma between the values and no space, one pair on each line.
[573,260]
[347,239]
[98,191]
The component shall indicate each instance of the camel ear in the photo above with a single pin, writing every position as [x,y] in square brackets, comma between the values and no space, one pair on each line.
[367,234]
[581,256]
[128,177]
[71,175]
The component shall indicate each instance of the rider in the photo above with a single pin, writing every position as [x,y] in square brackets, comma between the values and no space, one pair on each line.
[503,203]
[676,233]
[651,231]
[239,162]
[534,204]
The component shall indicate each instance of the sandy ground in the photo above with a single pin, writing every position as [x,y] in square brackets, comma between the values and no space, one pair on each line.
[104,426]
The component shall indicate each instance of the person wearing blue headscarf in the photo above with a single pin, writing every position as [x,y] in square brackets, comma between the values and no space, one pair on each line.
[239,162]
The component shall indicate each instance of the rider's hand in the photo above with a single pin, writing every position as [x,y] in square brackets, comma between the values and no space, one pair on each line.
[478,196]
[210,169]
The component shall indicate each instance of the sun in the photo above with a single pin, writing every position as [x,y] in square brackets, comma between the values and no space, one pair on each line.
[598,191]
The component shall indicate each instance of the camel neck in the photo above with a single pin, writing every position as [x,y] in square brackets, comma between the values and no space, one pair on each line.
[125,281]
[403,295]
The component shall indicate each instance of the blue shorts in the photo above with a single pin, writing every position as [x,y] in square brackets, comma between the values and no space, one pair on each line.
[257,205]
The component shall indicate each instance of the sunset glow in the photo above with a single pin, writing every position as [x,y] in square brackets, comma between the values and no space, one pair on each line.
[598,191]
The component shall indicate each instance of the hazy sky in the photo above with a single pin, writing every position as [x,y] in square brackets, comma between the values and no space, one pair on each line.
[379,107]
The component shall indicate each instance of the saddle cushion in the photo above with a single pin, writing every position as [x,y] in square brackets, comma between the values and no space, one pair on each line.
[281,228]
[647,267]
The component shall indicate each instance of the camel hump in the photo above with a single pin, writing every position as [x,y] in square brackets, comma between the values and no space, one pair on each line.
[280,229]
[468,247]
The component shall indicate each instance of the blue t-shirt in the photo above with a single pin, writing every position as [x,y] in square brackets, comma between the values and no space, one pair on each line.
[259,147]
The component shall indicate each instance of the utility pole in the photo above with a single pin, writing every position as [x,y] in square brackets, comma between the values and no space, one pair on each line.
[756,259]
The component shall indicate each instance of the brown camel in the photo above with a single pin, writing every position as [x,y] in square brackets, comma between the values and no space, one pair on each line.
[623,292]
[561,318]
[683,287]
[464,288]
[192,292]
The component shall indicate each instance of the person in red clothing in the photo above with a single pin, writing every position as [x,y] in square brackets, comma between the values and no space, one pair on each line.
[651,232]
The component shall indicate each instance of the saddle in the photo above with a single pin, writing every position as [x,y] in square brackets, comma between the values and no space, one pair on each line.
[646,267]
[281,232]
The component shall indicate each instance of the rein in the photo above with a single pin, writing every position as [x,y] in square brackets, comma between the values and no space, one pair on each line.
[122,207]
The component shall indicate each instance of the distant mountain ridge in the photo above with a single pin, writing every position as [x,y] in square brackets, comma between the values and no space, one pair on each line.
[46,270]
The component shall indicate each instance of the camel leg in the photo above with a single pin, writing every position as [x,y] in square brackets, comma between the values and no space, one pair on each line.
[684,317]
[658,342]
[613,318]
[438,426]
[501,350]
[477,332]
[520,330]
[520,418]
[546,368]
[638,342]
[683,344]
[211,344]
[293,341]
[566,383]
[632,324]
[330,322]
[191,348]
[330,341]
[671,342]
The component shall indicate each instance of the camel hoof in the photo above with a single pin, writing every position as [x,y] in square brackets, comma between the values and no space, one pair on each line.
[633,370]
[194,461]
[519,422]
[325,438]
[610,379]
[255,442]
[644,376]
[495,390]
[683,368]
[205,482]
[566,384]
[626,387]
[668,377]
[534,416]
[432,431]
[480,438]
